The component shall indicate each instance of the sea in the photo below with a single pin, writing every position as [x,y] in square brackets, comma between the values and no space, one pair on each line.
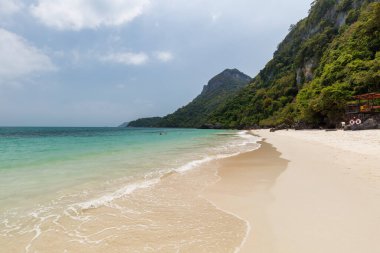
[79,189]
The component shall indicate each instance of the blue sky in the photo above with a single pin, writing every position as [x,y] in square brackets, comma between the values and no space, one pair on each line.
[103,62]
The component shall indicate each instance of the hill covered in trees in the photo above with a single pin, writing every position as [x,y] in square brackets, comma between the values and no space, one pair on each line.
[326,58]
[195,114]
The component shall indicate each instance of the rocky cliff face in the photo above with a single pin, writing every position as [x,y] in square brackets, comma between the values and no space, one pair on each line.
[337,13]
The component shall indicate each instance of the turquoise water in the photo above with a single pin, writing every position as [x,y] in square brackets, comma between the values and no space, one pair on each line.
[52,179]
[38,165]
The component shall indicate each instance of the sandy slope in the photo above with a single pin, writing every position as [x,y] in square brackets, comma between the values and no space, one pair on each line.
[307,191]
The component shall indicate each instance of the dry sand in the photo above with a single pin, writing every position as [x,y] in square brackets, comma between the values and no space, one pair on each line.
[305,191]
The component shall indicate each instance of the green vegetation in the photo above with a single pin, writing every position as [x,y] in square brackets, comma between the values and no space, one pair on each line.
[195,114]
[324,60]
[145,122]
[351,65]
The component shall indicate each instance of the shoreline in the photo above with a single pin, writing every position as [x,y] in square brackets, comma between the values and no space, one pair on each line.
[302,195]
[164,213]
[292,194]
[229,196]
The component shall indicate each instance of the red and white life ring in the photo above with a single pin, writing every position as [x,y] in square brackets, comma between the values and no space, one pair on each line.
[358,121]
[352,122]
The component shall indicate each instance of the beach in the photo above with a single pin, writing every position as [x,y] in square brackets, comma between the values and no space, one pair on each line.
[116,190]
[305,191]
[232,191]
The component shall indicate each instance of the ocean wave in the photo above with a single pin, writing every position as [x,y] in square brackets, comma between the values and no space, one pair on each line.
[126,190]
[74,206]
[149,181]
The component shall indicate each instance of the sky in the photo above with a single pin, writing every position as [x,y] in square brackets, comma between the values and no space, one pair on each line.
[104,62]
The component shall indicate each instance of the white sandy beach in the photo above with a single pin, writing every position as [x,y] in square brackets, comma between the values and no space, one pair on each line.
[301,191]
[305,191]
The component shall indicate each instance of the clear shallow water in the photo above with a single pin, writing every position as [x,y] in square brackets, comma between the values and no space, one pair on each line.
[48,172]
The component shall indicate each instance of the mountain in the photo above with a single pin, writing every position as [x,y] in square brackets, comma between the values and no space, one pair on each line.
[325,59]
[218,90]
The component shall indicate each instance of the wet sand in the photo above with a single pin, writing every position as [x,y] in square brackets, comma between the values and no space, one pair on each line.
[169,217]
[301,196]
[245,190]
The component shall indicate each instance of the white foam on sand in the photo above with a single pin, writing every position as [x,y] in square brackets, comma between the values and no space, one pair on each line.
[128,189]
[246,142]
[240,142]
[233,148]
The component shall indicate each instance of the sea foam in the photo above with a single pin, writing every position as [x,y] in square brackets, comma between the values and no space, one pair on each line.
[176,152]
[128,189]
[234,148]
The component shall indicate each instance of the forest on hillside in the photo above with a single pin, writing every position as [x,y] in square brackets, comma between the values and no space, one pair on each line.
[325,59]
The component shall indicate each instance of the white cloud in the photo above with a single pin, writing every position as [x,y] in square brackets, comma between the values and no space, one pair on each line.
[19,58]
[9,7]
[80,14]
[127,58]
[164,56]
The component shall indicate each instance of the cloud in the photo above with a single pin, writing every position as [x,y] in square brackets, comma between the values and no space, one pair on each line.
[127,58]
[9,7]
[81,14]
[19,58]
[164,56]
[131,58]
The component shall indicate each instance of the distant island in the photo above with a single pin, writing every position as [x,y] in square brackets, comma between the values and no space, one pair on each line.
[327,57]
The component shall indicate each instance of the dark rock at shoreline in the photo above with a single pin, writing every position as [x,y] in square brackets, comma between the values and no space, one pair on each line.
[280,127]
[211,126]
[255,126]
[301,126]
[370,123]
